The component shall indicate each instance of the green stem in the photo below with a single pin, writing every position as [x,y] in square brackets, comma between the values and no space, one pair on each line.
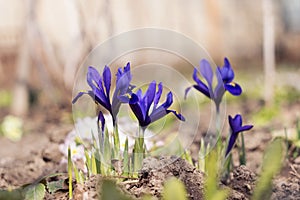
[107,154]
[286,143]
[298,128]
[226,161]
[126,161]
[116,142]
[227,167]
[219,143]
[70,164]
[138,152]
[242,151]
[218,123]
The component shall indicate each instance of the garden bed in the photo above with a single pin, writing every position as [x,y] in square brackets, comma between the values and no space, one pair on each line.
[37,155]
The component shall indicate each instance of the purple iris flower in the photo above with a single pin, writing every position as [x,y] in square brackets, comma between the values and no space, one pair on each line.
[140,105]
[236,127]
[225,76]
[100,88]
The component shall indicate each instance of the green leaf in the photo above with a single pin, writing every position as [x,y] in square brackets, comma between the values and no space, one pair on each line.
[110,191]
[12,195]
[188,157]
[107,148]
[126,158]
[148,197]
[212,192]
[298,128]
[53,186]
[272,164]
[242,150]
[116,143]
[76,173]
[88,162]
[201,156]
[138,154]
[220,195]
[174,189]
[98,162]
[35,192]
[70,166]
[93,164]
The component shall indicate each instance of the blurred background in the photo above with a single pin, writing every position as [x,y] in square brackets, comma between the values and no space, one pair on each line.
[43,42]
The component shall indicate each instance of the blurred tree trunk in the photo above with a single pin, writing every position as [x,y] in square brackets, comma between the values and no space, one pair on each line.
[269,50]
[20,104]
[89,16]
[214,30]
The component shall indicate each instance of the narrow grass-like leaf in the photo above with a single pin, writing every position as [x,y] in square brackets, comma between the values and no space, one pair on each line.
[138,154]
[93,164]
[98,161]
[212,192]
[227,166]
[174,189]
[107,148]
[286,143]
[70,166]
[126,158]
[298,128]
[271,165]
[88,162]
[81,176]
[77,176]
[116,143]
[188,157]
[98,147]
[201,156]
[242,153]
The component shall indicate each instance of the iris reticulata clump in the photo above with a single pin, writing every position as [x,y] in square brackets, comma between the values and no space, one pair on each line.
[225,82]
[147,109]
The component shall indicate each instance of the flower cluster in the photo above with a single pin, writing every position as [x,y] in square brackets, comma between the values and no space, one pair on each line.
[225,77]
[146,107]
[139,104]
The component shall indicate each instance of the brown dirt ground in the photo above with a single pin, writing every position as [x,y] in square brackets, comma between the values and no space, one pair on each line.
[37,155]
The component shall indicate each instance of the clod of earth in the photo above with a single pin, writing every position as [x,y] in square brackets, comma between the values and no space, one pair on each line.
[156,171]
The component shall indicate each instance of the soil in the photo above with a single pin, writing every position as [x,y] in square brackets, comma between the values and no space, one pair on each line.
[156,171]
[37,155]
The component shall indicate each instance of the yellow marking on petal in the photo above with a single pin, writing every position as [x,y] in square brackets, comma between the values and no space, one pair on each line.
[74,151]
[232,84]
[123,145]
[128,95]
